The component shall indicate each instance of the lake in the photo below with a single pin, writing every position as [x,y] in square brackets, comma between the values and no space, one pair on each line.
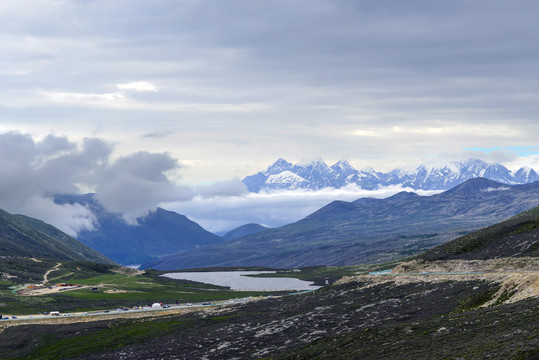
[237,280]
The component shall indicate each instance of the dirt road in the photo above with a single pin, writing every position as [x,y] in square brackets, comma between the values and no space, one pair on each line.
[46,275]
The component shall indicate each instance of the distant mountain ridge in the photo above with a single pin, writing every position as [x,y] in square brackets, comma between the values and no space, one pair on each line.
[367,230]
[160,232]
[316,175]
[244,230]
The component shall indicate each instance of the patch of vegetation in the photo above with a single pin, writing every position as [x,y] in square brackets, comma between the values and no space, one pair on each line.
[109,287]
[25,270]
[505,295]
[346,321]
[115,335]
[324,275]
[478,299]
[493,241]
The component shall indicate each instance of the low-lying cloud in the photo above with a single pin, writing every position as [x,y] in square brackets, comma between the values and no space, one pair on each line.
[221,214]
[33,171]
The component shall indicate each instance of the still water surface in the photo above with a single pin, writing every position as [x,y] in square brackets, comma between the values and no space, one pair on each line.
[237,280]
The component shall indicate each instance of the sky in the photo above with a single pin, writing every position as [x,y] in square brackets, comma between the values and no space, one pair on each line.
[172,102]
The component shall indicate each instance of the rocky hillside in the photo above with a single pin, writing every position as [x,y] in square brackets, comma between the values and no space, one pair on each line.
[359,319]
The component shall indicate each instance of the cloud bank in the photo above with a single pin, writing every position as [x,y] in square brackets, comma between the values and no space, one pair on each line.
[242,82]
[224,213]
[33,171]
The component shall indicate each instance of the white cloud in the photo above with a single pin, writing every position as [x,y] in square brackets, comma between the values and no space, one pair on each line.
[220,189]
[121,101]
[69,218]
[516,163]
[81,98]
[272,209]
[139,86]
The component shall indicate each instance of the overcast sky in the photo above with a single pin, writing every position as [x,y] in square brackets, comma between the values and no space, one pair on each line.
[198,92]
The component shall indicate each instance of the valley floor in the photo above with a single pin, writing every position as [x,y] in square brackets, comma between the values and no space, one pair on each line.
[391,317]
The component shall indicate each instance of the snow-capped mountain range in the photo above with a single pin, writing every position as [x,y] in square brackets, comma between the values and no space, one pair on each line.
[315,175]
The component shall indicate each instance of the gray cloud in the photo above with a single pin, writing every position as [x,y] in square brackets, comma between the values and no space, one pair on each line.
[135,184]
[243,82]
[225,188]
[157,134]
[32,172]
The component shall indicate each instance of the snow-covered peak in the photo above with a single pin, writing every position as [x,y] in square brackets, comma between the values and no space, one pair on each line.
[287,178]
[278,167]
[343,166]
[526,175]
[311,162]
[316,174]
[367,169]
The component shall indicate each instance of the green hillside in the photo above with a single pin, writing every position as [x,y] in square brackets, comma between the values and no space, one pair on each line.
[515,237]
[22,236]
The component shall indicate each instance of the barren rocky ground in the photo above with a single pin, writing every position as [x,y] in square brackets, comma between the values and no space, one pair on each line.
[356,318]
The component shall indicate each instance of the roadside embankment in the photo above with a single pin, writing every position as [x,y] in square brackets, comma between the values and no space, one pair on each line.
[515,278]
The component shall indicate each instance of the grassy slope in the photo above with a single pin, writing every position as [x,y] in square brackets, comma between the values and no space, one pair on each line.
[74,249]
[131,289]
[517,236]
[21,236]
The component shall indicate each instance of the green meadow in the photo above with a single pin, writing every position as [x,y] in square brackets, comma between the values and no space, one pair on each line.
[104,287]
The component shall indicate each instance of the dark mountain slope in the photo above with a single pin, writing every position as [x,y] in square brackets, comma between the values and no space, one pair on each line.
[368,230]
[244,230]
[22,236]
[161,232]
[515,237]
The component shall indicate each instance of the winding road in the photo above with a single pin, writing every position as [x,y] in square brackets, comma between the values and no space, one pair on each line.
[46,275]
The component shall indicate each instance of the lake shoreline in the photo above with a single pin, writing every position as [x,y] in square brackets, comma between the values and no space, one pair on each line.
[241,281]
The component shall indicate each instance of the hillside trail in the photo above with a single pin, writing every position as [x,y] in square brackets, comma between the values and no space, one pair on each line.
[46,275]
